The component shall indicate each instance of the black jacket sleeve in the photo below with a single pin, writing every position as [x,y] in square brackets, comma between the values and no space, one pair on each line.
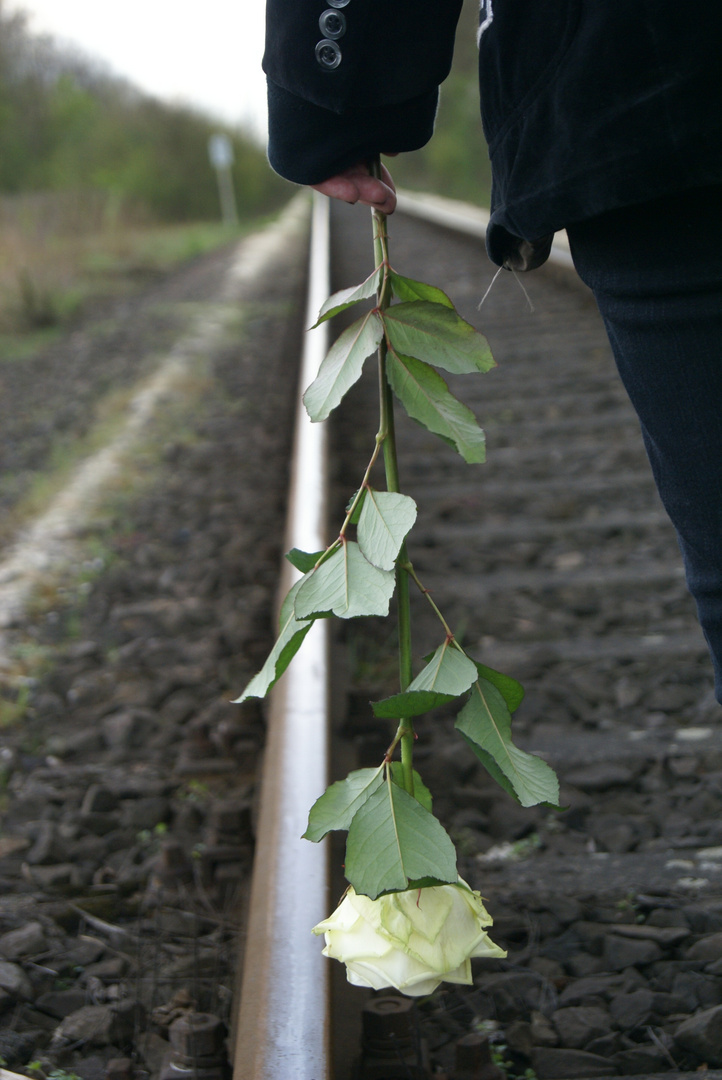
[350,78]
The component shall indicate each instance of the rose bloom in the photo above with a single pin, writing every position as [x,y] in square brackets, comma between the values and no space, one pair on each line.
[412,940]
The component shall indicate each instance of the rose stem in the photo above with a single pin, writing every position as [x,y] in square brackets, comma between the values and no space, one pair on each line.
[387,433]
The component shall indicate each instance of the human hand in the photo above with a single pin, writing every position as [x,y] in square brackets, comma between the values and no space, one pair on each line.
[356,184]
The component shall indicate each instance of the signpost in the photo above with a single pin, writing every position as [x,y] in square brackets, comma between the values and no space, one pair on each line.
[220,151]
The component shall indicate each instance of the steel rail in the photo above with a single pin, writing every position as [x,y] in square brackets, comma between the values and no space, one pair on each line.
[282,1030]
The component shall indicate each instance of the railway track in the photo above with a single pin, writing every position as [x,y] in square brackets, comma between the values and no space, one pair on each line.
[555,562]
[558,562]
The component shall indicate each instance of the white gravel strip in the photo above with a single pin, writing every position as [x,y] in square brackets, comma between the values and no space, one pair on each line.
[47,544]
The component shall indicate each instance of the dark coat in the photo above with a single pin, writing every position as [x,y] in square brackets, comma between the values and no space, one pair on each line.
[587,105]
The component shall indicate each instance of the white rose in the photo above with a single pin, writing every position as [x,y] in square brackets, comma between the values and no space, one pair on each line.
[412,940]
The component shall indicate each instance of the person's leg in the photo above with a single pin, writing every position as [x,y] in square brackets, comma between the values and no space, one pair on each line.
[656,273]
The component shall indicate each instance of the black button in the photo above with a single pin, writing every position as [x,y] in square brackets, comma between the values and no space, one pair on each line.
[328,54]
[338,3]
[332,24]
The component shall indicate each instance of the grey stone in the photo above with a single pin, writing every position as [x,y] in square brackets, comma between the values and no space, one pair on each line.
[704,919]
[702,1034]
[577,1025]
[61,1003]
[47,847]
[89,848]
[82,952]
[126,730]
[600,777]
[145,813]
[15,1046]
[668,1005]
[100,1025]
[234,817]
[470,819]
[667,917]
[666,936]
[24,941]
[120,1069]
[707,950]
[550,970]
[15,982]
[613,835]
[50,877]
[592,934]
[633,980]
[98,799]
[606,1045]
[594,986]
[522,987]
[110,970]
[155,1049]
[566,908]
[640,1060]
[620,952]
[582,965]
[77,742]
[99,822]
[543,1032]
[556,1064]
[93,1067]
[631,1010]
[519,1038]
[696,990]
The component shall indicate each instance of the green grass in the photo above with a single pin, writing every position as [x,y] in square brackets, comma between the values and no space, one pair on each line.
[159,249]
[21,345]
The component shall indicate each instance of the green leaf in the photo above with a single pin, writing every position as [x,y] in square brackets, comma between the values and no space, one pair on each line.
[421,792]
[347,585]
[410,703]
[303,560]
[359,506]
[407,289]
[385,521]
[335,809]
[447,675]
[438,335]
[343,365]
[491,767]
[428,400]
[292,631]
[449,671]
[511,690]
[485,720]
[346,298]
[393,840]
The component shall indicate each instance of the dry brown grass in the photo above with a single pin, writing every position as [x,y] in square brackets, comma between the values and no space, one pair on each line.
[58,250]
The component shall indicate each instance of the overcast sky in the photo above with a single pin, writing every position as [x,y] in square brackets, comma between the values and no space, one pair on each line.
[204,53]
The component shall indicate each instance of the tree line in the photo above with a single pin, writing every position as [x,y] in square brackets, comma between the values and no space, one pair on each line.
[68,124]
[455,162]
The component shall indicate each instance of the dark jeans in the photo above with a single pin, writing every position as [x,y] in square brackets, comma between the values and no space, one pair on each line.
[656,273]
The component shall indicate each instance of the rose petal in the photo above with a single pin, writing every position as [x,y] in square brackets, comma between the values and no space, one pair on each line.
[427,909]
[411,940]
[385,915]
[343,918]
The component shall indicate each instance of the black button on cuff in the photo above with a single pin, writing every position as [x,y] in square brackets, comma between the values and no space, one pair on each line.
[328,54]
[332,24]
